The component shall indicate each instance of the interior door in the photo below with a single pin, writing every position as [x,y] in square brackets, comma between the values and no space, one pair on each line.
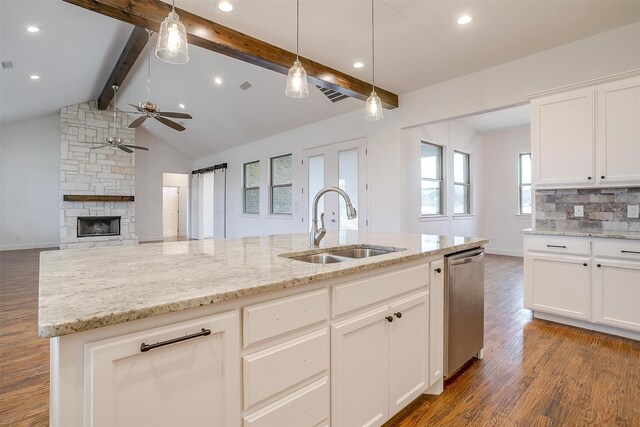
[340,165]
[170,211]
[220,203]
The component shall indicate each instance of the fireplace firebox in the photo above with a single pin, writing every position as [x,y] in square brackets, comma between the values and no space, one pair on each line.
[92,226]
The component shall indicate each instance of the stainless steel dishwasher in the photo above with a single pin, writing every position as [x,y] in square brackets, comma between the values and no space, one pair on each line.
[463,309]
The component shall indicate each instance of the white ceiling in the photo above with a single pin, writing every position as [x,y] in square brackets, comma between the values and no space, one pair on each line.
[418,43]
[506,118]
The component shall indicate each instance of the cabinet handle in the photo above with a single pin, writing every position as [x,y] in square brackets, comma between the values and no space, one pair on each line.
[588,177]
[146,347]
[389,319]
[602,177]
[598,265]
[557,246]
[584,263]
[398,315]
[438,270]
[630,252]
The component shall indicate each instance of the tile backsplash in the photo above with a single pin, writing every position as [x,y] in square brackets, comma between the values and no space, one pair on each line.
[605,210]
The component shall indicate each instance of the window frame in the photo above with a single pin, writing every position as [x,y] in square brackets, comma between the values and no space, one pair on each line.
[272,186]
[245,188]
[468,204]
[521,184]
[441,180]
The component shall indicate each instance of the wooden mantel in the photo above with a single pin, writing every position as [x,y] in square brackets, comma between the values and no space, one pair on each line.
[96,198]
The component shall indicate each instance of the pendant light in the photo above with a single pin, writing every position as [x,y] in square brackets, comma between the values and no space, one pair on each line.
[297,78]
[172,44]
[373,106]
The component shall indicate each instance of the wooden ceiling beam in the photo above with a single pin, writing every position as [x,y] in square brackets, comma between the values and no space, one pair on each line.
[132,50]
[212,36]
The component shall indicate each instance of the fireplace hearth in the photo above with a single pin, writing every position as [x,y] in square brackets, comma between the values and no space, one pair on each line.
[93,226]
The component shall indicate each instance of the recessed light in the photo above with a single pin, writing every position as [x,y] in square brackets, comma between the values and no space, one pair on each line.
[218,80]
[464,19]
[358,65]
[33,29]
[225,5]
[181,106]
[34,77]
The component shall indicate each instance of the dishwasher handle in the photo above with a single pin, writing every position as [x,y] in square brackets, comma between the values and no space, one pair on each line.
[466,260]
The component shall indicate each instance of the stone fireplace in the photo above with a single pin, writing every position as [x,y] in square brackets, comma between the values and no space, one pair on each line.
[97,184]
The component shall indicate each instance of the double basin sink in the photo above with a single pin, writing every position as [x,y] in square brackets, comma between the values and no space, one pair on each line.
[341,254]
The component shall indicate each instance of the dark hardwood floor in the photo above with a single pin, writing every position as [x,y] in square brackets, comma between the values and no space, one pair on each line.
[534,373]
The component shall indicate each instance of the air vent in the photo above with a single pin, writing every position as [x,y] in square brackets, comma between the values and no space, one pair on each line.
[332,94]
[245,85]
[6,65]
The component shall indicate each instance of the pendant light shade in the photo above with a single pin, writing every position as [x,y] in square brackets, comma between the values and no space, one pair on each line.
[373,106]
[297,86]
[172,44]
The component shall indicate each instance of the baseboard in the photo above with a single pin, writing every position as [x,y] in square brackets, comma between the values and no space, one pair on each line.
[506,252]
[587,325]
[150,239]
[18,247]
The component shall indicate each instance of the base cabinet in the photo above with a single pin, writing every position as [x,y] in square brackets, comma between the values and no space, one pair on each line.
[616,286]
[195,382]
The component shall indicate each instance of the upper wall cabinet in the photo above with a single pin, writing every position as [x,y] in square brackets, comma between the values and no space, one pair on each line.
[587,137]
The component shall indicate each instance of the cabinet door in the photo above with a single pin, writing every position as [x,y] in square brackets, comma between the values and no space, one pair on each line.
[193,383]
[558,284]
[360,370]
[408,350]
[618,138]
[616,293]
[436,322]
[562,139]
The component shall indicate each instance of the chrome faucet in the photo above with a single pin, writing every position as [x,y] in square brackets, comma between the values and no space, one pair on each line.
[317,234]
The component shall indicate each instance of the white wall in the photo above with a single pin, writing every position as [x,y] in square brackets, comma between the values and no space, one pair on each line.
[150,166]
[499,192]
[180,180]
[497,87]
[29,184]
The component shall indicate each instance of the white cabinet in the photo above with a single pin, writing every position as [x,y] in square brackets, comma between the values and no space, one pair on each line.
[436,322]
[379,362]
[616,293]
[562,128]
[558,284]
[587,137]
[194,382]
[619,132]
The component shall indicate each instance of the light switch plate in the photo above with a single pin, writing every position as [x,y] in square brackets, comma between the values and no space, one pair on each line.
[633,211]
[578,211]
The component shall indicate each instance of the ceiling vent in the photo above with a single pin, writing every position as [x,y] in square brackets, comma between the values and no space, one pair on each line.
[245,85]
[332,94]
[6,65]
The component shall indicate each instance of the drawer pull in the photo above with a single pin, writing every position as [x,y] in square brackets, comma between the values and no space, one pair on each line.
[557,246]
[398,314]
[146,347]
[389,319]
[598,265]
[438,270]
[630,252]
[585,264]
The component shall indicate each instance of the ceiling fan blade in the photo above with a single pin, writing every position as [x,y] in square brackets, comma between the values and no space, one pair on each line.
[128,150]
[100,146]
[137,147]
[137,107]
[175,115]
[137,122]
[171,124]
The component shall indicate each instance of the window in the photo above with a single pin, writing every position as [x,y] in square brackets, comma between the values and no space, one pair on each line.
[251,182]
[281,183]
[461,183]
[431,177]
[524,182]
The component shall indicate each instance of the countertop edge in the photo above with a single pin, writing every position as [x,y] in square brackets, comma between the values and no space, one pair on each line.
[80,325]
[604,235]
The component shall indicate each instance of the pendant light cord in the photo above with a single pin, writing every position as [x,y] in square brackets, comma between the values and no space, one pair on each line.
[373,49]
[297,28]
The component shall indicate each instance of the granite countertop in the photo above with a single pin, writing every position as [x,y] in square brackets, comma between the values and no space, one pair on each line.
[603,234]
[83,289]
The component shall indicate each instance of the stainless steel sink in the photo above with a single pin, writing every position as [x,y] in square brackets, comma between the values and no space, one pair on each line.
[341,254]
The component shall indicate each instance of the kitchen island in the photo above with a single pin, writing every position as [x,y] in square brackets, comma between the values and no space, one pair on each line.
[237,332]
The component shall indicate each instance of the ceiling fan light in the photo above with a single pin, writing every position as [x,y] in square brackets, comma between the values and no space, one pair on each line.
[373,107]
[297,86]
[172,46]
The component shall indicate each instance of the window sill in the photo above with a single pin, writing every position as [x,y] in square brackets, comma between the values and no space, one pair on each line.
[523,215]
[249,215]
[428,218]
[463,216]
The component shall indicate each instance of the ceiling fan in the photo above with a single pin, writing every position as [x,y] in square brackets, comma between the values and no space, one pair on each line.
[115,141]
[149,109]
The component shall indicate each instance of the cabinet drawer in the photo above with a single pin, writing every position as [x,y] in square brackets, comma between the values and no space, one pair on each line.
[277,368]
[351,296]
[308,406]
[273,318]
[618,248]
[558,244]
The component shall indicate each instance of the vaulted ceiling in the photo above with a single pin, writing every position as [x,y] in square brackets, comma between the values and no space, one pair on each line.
[418,43]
